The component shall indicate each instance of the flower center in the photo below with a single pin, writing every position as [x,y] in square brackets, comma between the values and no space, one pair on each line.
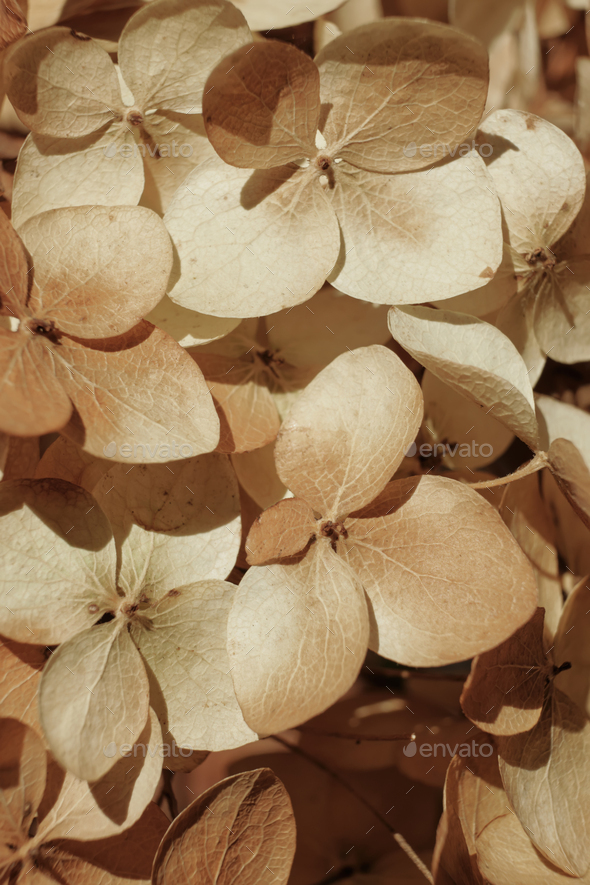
[541,257]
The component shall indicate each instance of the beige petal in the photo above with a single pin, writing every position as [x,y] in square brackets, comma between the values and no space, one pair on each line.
[491,296]
[20,672]
[561,321]
[22,457]
[512,676]
[173,525]
[246,410]
[572,475]
[282,531]
[13,270]
[189,327]
[546,777]
[85,171]
[538,174]
[261,105]
[23,766]
[297,638]
[259,809]
[457,429]
[176,144]
[424,236]
[62,84]
[33,401]
[166,50]
[235,231]
[571,646]
[516,320]
[94,692]
[445,578]
[262,15]
[560,420]
[58,561]
[112,804]
[65,460]
[13,23]
[364,401]
[131,391]
[475,359]
[125,859]
[258,475]
[98,269]
[185,652]
[397,84]
[316,332]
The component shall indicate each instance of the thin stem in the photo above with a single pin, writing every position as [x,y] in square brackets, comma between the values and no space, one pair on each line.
[360,798]
[537,463]
[353,736]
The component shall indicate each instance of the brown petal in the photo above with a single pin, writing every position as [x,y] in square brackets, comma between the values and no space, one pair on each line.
[280,531]
[261,105]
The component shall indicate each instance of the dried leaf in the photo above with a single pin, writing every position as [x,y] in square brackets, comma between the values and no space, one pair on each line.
[370,76]
[297,636]
[197,843]
[261,105]
[281,531]
[234,229]
[546,778]
[168,47]
[94,692]
[365,400]
[475,359]
[58,525]
[397,230]
[445,578]
[504,691]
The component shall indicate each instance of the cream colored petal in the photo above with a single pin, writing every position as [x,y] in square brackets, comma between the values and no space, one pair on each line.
[132,391]
[174,524]
[258,475]
[296,638]
[538,174]
[546,776]
[562,314]
[58,561]
[250,242]
[445,578]
[475,359]
[61,84]
[84,811]
[185,652]
[396,85]
[263,15]
[423,236]
[348,431]
[281,531]
[65,460]
[23,765]
[91,170]
[516,321]
[167,49]
[189,327]
[94,692]
[561,420]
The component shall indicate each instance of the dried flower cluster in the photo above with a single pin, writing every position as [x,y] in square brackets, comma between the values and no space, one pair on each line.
[294,411]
